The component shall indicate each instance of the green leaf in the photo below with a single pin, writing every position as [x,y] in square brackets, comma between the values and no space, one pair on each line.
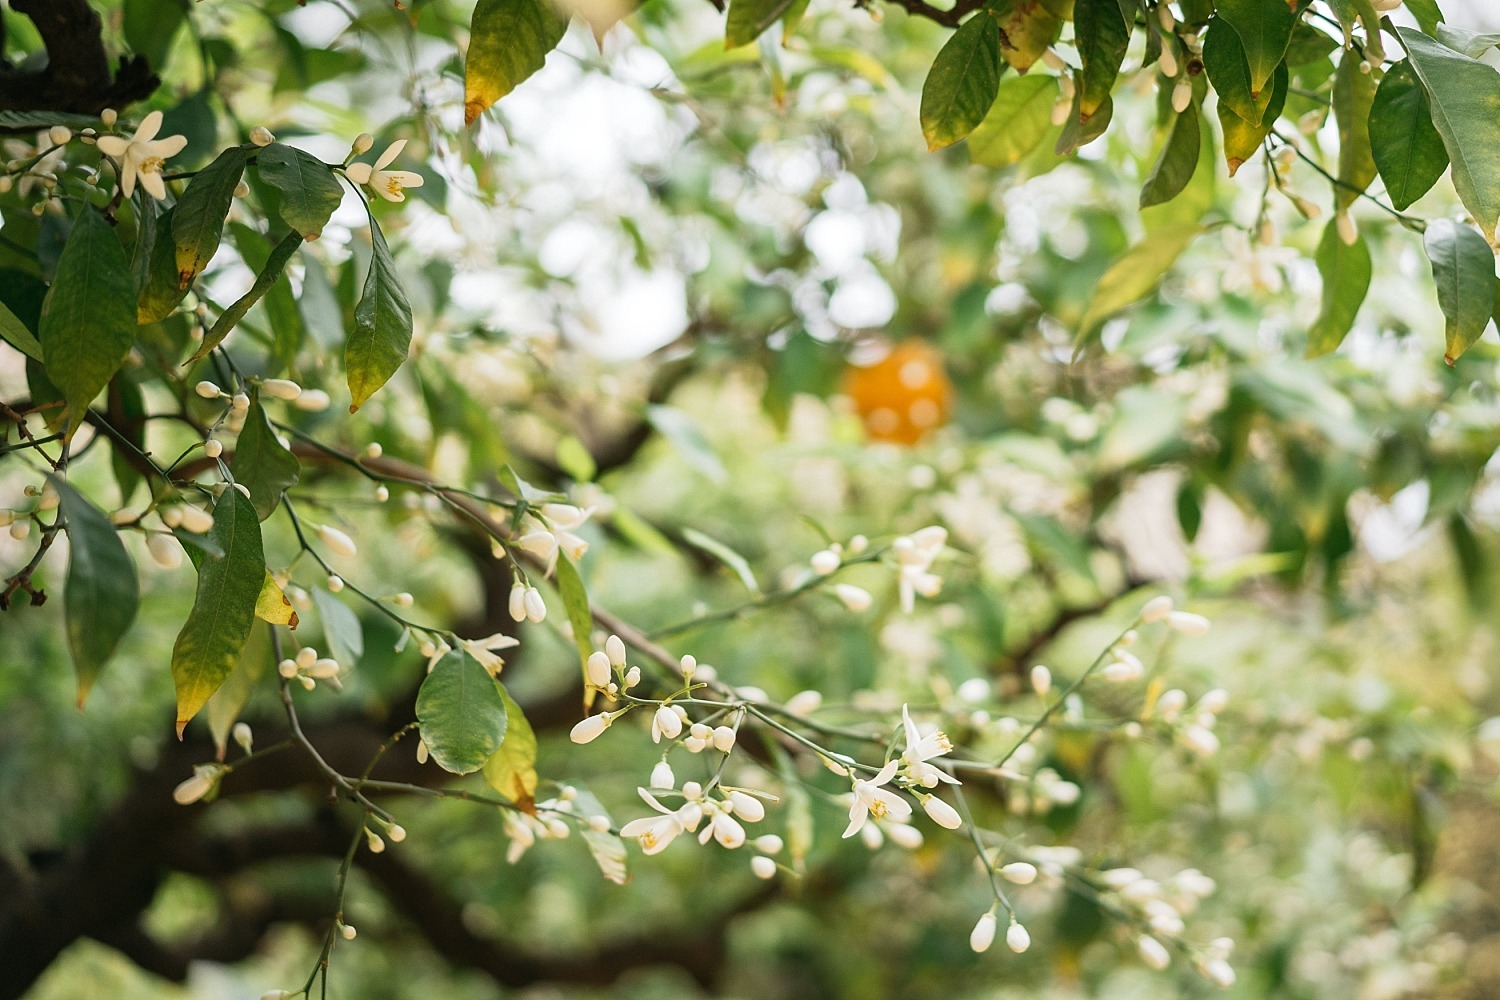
[209,645]
[230,318]
[749,19]
[1224,60]
[1345,270]
[1027,29]
[1463,268]
[461,712]
[511,771]
[224,708]
[341,628]
[962,83]
[576,602]
[309,191]
[573,458]
[1308,45]
[1473,44]
[1353,95]
[1136,274]
[87,323]
[102,594]
[161,291]
[1102,38]
[684,435]
[262,463]
[198,219]
[151,25]
[1242,139]
[1178,160]
[14,332]
[1408,151]
[1464,96]
[126,407]
[508,41]
[378,344]
[1078,131]
[729,557]
[1428,15]
[1017,122]
[1265,30]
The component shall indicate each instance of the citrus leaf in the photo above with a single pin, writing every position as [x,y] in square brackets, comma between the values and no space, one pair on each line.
[87,324]
[1463,268]
[341,628]
[1136,274]
[1228,71]
[377,346]
[508,41]
[961,85]
[309,191]
[725,555]
[1265,30]
[102,594]
[1178,160]
[1473,44]
[1102,38]
[224,708]
[198,219]
[685,436]
[1027,29]
[1078,131]
[1408,151]
[1353,95]
[1345,270]
[576,602]
[607,848]
[749,19]
[511,771]
[1017,122]
[272,605]
[15,333]
[461,713]
[262,463]
[230,318]
[160,291]
[1463,95]
[1242,139]
[209,645]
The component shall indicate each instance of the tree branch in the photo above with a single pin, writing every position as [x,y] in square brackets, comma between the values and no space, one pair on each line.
[76,78]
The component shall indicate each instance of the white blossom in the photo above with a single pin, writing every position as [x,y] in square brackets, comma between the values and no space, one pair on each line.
[915,554]
[1153,952]
[920,749]
[143,155]
[662,776]
[553,532]
[1156,609]
[205,778]
[598,669]
[763,867]
[1187,623]
[486,650]
[386,183]
[665,722]
[871,799]
[854,598]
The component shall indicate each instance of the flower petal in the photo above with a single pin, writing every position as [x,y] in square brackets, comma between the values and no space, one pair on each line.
[112,145]
[359,173]
[858,813]
[405,178]
[391,152]
[154,185]
[169,147]
[150,125]
[127,177]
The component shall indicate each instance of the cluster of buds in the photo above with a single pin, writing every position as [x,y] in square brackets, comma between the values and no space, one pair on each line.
[720,817]
[1160,907]
[550,530]
[607,671]
[307,668]
[915,555]
[910,771]
[1017,937]
[526,603]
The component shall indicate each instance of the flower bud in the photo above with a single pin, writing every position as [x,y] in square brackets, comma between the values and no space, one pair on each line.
[723,739]
[763,867]
[421,751]
[213,447]
[666,723]
[1153,952]
[1156,609]
[1168,61]
[1017,938]
[362,143]
[825,562]
[340,543]
[1214,701]
[1219,972]
[373,839]
[1041,680]
[109,116]
[195,519]
[1187,623]
[382,493]
[856,599]
[598,671]
[205,777]
[347,932]
[164,549]
[243,736]
[905,835]
[747,807]
[768,844]
[239,402]
[536,608]
[335,583]
[614,648]
[312,400]
[60,135]
[632,677]
[804,703]
[688,665]
[1182,95]
[1019,872]
[589,729]
[1199,740]
[281,388]
[983,934]
[661,774]
[261,136]
[942,813]
[517,602]
[242,189]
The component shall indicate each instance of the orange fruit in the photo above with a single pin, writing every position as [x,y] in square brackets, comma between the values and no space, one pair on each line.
[902,396]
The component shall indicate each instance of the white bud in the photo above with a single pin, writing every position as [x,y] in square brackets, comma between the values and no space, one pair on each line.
[825,562]
[942,813]
[396,832]
[1017,938]
[307,683]
[348,932]
[373,839]
[164,549]
[904,835]
[261,136]
[109,116]
[1156,609]
[768,844]
[589,729]
[688,665]
[804,703]
[666,723]
[1182,95]
[372,451]
[723,739]
[243,736]
[287,668]
[1169,65]
[335,583]
[1219,972]
[763,867]
[60,135]
[1019,872]
[1041,680]
[983,934]
[1122,671]
[205,776]
[362,143]
[402,599]
[517,603]
[856,599]
[340,543]
[661,774]
[242,189]
[213,447]
[858,544]
[1200,740]
[1214,701]
[306,657]
[323,668]
[598,672]
[421,751]
[195,519]
[747,807]
[1187,623]
[632,677]
[1153,952]
[1165,17]
[614,648]
[312,400]
[382,494]
[281,388]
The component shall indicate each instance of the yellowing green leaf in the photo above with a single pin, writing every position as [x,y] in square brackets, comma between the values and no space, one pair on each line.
[961,85]
[1463,268]
[511,771]
[198,219]
[508,41]
[1265,30]
[273,606]
[749,19]
[1136,274]
[1345,270]
[1027,29]
[1017,122]
[1102,38]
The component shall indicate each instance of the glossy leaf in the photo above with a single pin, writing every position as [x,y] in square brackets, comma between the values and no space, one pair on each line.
[461,712]
[1102,38]
[749,19]
[269,275]
[1027,29]
[1017,122]
[1265,30]
[1136,274]
[1473,44]
[309,192]
[160,291]
[1463,268]
[576,602]
[511,771]
[1353,95]
[87,324]
[1178,160]
[378,344]
[198,219]
[1078,131]
[229,587]
[15,333]
[1428,15]
[1224,61]
[961,86]
[102,594]
[1463,95]
[1408,151]
[1243,139]
[262,464]
[508,41]
[1345,270]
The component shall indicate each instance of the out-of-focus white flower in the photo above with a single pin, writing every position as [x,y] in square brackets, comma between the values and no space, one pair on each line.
[388,184]
[1187,623]
[338,542]
[983,934]
[205,778]
[804,703]
[915,554]
[553,533]
[261,136]
[871,799]
[143,155]
[724,828]
[920,749]
[486,650]
[1041,680]
[1200,740]
[904,835]
[854,598]
[1219,972]
[164,549]
[1019,872]
[825,561]
[1153,952]
[1156,609]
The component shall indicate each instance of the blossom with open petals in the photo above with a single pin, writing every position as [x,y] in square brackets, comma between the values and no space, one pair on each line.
[553,533]
[920,749]
[386,183]
[143,155]
[654,833]
[870,799]
[487,650]
[915,554]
